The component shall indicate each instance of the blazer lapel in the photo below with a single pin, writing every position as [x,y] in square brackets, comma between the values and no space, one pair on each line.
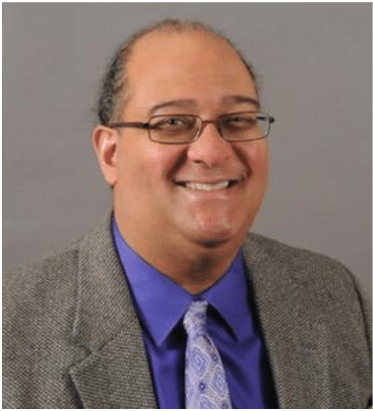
[115,373]
[295,342]
[115,377]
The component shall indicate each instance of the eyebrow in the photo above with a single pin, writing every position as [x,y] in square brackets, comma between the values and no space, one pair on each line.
[173,103]
[183,103]
[237,99]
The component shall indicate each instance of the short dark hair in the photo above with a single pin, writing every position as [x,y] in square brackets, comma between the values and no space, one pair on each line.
[113,90]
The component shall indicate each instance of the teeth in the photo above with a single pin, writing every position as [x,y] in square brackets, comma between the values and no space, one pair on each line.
[207,187]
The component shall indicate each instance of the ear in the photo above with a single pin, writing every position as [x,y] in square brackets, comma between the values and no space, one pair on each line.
[105,142]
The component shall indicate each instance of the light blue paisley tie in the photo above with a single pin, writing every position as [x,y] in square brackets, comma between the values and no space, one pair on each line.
[205,383]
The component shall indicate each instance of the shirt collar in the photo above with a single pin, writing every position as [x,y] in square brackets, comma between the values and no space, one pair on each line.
[161,302]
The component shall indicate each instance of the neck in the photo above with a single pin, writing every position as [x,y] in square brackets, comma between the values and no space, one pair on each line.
[197,271]
[194,266]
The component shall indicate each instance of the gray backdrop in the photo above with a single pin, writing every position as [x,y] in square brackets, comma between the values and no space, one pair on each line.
[314,61]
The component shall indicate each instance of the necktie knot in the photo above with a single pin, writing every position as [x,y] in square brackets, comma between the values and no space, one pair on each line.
[195,318]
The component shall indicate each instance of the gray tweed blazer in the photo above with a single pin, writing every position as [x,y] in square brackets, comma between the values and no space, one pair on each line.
[72,339]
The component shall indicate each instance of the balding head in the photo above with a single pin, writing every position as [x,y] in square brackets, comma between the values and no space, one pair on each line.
[114,90]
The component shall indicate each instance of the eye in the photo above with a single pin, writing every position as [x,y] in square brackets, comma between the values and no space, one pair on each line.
[172,123]
[239,121]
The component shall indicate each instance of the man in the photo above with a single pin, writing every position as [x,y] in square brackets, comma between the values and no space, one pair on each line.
[168,302]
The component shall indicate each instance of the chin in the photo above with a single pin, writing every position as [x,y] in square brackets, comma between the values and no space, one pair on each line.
[217,237]
[213,231]
[213,243]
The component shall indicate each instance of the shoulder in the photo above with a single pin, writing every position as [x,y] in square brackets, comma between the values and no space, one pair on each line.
[39,306]
[45,276]
[309,271]
[310,278]
[307,281]
[53,275]
[299,263]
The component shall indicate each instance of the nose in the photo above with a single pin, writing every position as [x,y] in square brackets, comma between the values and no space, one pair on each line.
[210,149]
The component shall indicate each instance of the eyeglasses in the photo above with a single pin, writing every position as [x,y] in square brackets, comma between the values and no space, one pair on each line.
[187,128]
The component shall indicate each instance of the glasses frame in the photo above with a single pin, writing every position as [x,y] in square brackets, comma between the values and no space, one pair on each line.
[202,123]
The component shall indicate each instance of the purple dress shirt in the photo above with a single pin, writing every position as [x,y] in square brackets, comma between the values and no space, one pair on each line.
[161,304]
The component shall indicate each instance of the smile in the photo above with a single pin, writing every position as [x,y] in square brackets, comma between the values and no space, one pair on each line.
[220,185]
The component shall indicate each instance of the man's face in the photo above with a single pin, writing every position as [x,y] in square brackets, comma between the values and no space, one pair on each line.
[155,198]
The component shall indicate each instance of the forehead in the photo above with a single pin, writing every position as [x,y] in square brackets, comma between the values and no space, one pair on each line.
[192,65]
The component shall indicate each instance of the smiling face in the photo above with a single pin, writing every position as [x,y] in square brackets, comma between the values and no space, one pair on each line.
[205,193]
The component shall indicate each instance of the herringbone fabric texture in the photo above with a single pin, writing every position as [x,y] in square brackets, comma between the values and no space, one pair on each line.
[205,383]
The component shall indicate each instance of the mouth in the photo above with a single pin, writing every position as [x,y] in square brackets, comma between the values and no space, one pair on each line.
[215,186]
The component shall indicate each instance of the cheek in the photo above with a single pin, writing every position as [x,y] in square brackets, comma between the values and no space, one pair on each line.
[256,156]
[148,165]
[160,161]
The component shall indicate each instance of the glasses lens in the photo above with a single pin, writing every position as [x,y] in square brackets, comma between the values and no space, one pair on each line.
[244,126]
[173,129]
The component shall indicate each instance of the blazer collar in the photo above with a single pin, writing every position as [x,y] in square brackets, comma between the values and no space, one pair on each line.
[295,341]
[115,374]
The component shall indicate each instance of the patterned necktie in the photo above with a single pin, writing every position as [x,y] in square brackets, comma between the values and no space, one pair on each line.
[205,383]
